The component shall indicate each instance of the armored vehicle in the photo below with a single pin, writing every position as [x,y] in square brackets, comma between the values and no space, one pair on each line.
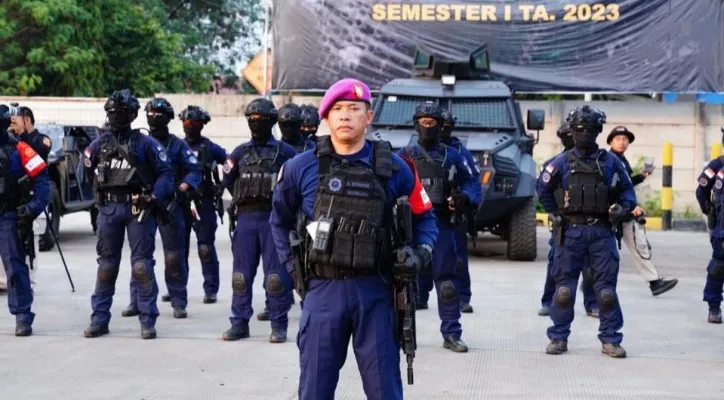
[489,123]
[69,188]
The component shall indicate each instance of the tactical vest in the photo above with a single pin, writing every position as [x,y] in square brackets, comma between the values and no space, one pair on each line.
[586,193]
[178,169]
[119,170]
[353,197]
[10,193]
[433,175]
[209,172]
[717,194]
[254,186]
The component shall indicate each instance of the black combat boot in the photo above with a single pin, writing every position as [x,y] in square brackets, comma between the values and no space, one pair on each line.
[544,311]
[130,311]
[166,298]
[278,335]
[421,306]
[662,286]
[237,332]
[714,315]
[557,347]
[95,330]
[264,315]
[210,298]
[23,329]
[180,312]
[455,344]
[613,350]
[466,308]
[148,332]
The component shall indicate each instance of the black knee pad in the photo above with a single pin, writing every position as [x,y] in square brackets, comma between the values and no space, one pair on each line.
[274,285]
[717,270]
[140,273]
[564,297]
[608,300]
[238,283]
[107,274]
[173,265]
[448,294]
[205,253]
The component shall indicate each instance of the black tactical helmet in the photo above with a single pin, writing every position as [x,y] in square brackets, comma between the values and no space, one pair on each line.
[448,119]
[263,107]
[195,113]
[4,118]
[123,100]
[290,113]
[428,110]
[563,130]
[587,119]
[160,105]
[310,115]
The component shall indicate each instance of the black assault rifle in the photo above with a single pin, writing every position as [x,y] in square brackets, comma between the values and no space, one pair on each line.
[405,290]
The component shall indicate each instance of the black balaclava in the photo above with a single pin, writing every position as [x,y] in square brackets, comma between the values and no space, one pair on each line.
[192,130]
[261,129]
[291,131]
[567,141]
[428,136]
[158,125]
[584,140]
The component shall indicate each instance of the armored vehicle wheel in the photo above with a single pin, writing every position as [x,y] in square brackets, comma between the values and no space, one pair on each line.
[45,242]
[522,233]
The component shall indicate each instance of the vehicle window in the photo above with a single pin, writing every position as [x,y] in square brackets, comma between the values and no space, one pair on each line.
[482,113]
[398,110]
[54,132]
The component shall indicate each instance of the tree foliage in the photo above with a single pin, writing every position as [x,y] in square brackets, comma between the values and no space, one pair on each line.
[92,47]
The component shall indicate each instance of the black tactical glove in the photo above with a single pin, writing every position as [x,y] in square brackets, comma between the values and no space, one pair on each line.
[24,212]
[617,213]
[144,201]
[409,261]
[459,200]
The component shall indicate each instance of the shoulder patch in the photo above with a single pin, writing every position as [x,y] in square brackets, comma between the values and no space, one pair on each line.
[47,142]
[87,152]
[550,168]
[718,184]
[192,160]
[162,155]
[720,174]
[703,182]
[546,177]
[709,173]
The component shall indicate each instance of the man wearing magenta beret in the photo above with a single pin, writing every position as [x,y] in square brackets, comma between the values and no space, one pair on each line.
[345,190]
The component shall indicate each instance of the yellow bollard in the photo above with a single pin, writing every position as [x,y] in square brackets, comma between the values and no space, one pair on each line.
[667,194]
[715,151]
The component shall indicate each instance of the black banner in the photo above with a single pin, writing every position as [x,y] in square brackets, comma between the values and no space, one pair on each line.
[545,45]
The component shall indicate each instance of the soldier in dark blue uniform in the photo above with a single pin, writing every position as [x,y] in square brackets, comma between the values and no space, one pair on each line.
[132,175]
[589,295]
[355,184]
[576,188]
[710,196]
[310,122]
[448,181]
[18,161]
[171,218]
[250,173]
[461,235]
[290,124]
[208,195]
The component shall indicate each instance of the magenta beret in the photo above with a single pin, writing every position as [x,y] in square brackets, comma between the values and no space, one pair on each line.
[346,89]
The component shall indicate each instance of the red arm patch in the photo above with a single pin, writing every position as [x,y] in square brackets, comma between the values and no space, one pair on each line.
[419,202]
[32,163]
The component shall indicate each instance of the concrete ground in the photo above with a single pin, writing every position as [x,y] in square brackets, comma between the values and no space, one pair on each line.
[673,352]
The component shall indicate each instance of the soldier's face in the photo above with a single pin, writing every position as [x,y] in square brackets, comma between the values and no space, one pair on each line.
[348,121]
[17,124]
[619,143]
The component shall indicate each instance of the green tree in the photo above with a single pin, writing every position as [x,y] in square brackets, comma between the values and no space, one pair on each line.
[218,32]
[92,47]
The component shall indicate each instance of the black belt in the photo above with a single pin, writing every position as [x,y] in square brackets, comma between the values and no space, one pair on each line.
[117,198]
[586,220]
[335,273]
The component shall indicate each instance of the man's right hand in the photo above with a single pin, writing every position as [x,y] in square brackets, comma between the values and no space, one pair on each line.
[409,261]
